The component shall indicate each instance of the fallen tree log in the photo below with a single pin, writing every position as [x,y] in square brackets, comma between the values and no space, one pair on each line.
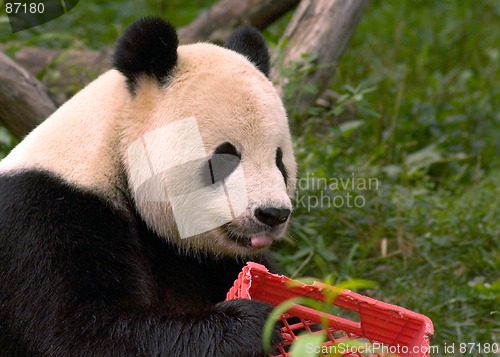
[316,37]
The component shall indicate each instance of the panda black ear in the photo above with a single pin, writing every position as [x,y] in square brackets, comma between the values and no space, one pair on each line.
[248,41]
[148,46]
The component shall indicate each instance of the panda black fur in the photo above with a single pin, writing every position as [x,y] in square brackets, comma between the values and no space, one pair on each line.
[87,268]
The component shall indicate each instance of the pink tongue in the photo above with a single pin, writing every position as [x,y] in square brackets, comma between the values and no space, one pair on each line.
[261,241]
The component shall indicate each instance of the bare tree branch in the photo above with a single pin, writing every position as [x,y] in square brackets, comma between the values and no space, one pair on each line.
[216,23]
[64,71]
[24,102]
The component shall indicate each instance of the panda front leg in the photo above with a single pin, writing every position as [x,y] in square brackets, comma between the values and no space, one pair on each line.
[50,325]
[233,328]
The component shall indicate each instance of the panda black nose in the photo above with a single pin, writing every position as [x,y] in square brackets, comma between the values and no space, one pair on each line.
[272,216]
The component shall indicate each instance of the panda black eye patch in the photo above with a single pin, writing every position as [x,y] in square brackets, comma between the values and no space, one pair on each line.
[280,165]
[223,162]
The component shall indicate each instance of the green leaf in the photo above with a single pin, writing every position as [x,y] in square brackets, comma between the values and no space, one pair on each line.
[303,345]
[279,310]
[5,137]
[349,127]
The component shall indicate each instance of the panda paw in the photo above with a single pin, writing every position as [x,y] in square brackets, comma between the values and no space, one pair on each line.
[244,330]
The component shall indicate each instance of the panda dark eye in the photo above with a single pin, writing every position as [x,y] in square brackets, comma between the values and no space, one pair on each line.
[280,165]
[227,149]
[223,162]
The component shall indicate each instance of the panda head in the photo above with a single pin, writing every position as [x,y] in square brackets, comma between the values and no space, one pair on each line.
[205,140]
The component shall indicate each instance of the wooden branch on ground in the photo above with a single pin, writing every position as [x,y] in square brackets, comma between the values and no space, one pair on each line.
[63,71]
[215,24]
[24,101]
[66,71]
[37,59]
[320,29]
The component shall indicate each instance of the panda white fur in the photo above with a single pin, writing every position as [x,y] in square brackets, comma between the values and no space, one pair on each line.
[97,256]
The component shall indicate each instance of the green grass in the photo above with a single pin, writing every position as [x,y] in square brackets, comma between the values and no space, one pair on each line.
[418,109]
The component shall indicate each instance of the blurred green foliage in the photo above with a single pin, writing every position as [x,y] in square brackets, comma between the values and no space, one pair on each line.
[416,106]
[96,24]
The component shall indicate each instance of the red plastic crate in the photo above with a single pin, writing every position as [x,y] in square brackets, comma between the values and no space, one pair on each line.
[400,331]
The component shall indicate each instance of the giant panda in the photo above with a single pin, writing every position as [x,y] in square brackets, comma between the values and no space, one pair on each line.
[126,216]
